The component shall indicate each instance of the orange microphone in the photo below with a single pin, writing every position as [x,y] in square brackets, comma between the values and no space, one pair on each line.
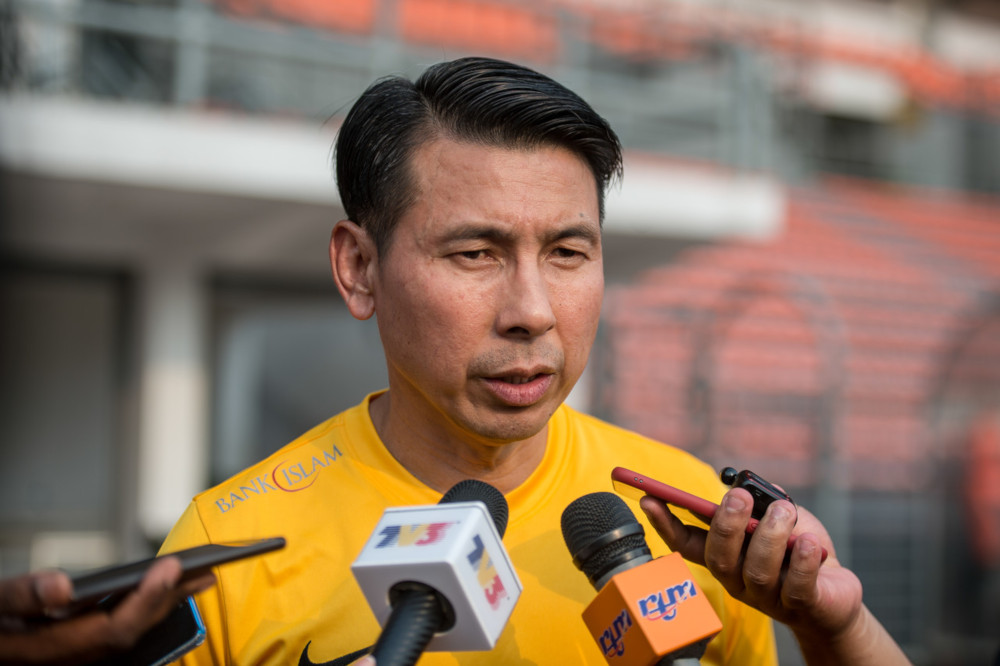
[647,612]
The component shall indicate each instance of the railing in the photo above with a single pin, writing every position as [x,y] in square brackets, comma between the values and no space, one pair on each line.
[685,96]
[706,85]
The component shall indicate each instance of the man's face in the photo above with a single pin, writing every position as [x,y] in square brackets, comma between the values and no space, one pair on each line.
[489,294]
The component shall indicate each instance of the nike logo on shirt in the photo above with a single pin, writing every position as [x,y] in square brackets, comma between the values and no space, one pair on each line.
[304,659]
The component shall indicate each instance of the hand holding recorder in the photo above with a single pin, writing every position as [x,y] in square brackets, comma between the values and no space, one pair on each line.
[635,485]
[785,578]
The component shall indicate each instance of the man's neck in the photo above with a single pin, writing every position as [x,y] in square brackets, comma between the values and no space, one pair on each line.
[443,462]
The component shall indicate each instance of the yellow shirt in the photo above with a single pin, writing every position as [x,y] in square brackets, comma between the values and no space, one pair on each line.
[324,493]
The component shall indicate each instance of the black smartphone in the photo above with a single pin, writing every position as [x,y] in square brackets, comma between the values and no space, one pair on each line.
[105,585]
[176,635]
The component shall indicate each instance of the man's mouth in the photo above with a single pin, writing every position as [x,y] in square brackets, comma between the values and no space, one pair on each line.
[519,380]
[521,390]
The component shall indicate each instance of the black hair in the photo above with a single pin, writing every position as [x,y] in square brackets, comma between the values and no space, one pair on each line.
[479,100]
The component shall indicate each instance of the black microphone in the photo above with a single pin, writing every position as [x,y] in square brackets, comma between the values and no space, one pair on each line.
[438,577]
[647,611]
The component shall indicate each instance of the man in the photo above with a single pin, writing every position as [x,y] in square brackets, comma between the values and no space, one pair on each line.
[474,200]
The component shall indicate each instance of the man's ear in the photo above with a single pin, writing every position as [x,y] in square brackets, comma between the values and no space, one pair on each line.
[353,262]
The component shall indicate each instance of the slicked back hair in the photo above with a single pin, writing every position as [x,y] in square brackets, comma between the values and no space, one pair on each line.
[477,100]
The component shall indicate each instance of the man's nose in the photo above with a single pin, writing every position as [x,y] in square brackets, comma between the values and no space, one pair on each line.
[527,304]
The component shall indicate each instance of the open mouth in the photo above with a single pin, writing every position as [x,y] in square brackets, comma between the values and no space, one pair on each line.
[521,390]
[519,380]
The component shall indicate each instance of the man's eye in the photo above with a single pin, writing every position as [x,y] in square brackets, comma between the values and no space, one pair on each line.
[566,253]
[472,254]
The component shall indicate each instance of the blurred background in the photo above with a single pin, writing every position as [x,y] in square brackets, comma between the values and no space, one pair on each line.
[803,260]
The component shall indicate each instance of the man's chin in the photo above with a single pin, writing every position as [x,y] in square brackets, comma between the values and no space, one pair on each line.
[516,425]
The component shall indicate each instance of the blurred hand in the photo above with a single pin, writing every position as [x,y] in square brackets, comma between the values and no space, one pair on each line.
[820,602]
[30,632]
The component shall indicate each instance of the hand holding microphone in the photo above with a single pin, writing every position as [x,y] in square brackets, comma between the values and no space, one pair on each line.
[646,611]
[438,577]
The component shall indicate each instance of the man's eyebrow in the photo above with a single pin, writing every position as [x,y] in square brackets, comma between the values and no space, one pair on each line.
[501,234]
[584,231]
[473,231]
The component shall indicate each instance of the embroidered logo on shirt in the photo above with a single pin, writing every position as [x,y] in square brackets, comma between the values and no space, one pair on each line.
[288,476]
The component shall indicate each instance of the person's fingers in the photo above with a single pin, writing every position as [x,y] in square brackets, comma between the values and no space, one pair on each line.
[687,540]
[53,589]
[724,543]
[75,641]
[32,594]
[766,553]
[156,596]
[167,574]
[27,637]
[97,633]
[158,593]
[196,585]
[799,590]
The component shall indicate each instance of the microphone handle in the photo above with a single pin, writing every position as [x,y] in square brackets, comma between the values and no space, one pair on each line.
[416,614]
[689,655]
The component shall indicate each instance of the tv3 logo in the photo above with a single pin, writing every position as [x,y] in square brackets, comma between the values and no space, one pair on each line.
[486,573]
[412,535]
[663,605]
[612,640]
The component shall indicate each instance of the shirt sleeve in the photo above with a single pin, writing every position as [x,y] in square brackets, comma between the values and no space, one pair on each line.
[190,531]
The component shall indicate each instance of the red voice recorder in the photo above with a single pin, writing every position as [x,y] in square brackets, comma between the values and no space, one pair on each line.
[634,485]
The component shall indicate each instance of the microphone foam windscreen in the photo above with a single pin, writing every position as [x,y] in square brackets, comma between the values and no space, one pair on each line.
[593,516]
[474,490]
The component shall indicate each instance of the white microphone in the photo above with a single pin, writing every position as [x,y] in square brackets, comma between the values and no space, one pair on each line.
[438,577]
